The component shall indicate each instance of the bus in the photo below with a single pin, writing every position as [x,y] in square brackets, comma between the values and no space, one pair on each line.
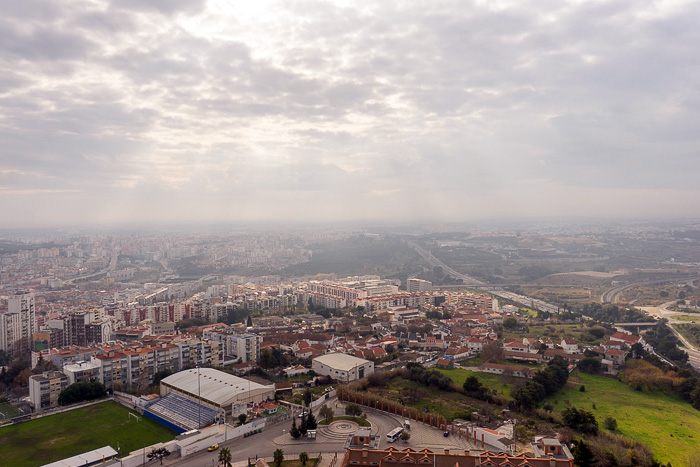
[394,434]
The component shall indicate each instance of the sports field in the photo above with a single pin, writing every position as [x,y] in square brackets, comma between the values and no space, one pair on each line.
[8,411]
[56,437]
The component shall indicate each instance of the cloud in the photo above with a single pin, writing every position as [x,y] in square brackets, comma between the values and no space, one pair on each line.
[317,110]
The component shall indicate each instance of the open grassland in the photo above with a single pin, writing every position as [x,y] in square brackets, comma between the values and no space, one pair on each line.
[669,426]
[685,317]
[494,382]
[48,439]
[556,332]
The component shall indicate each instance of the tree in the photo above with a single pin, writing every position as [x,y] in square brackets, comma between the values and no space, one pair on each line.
[225,457]
[278,457]
[510,323]
[162,374]
[590,365]
[158,454]
[295,430]
[405,435]
[311,423]
[242,418]
[22,378]
[249,323]
[583,456]
[78,392]
[303,427]
[580,420]
[303,458]
[327,413]
[610,423]
[472,384]
[307,397]
[492,352]
[353,410]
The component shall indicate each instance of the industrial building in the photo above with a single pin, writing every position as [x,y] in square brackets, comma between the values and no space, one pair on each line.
[342,367]
[216,389]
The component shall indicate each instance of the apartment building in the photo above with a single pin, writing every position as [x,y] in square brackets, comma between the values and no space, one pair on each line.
[45,388]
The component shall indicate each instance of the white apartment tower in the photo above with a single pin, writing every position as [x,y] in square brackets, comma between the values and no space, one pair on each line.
[414,285]
[18,325]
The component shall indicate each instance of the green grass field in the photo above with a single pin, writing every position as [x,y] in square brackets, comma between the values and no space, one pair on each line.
[56,437]
[497,382]
[669,426]
[685,318]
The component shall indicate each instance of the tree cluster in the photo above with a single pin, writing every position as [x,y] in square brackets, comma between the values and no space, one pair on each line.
[416,372]
[354,410]
[545,383]
[473,387]
[79,392]
[614,314]
[272,357]
[666,343]
[580,420]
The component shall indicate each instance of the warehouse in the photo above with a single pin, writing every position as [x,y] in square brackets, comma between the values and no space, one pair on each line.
[342,367]
[217,389]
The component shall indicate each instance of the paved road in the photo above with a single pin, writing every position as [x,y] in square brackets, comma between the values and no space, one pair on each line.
[277,437]
[610,295]
[472,282]
[662,311]
[433,261]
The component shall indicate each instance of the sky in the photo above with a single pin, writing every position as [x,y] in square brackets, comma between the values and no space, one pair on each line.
[157,111]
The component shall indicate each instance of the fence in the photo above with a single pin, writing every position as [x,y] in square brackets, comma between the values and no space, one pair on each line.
[391,407]
[46,413]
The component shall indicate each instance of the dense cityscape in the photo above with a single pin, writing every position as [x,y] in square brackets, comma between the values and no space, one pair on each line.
[170,328]
[334,233]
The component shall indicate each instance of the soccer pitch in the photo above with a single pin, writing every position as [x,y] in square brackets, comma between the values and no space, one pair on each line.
[48,439]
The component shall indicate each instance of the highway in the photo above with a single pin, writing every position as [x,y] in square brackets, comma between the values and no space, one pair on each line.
[662,312]
[610,295]
[472,282]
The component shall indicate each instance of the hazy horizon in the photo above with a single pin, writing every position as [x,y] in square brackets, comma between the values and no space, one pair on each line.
[219,112]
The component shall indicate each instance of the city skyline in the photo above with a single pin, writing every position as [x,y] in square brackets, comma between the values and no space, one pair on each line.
[217,111]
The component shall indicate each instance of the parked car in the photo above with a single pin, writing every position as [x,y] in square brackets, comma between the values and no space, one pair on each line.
[303,413]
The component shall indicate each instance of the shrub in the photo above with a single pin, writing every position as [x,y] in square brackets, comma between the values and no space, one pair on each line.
[610,423]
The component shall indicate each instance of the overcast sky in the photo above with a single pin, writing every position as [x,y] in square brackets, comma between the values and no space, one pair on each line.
[225,110]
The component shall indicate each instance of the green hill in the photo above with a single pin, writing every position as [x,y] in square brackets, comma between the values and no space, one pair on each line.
[668,425]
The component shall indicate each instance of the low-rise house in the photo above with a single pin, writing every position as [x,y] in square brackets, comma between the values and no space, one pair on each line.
[501,369]
[515,346]
[569,346]
[616,356]
[549,354]
[444,363]
[526,357]
[547,446]
[475,344]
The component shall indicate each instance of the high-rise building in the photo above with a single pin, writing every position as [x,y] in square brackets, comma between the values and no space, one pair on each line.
[18,325]
[414,285]
[9,331]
